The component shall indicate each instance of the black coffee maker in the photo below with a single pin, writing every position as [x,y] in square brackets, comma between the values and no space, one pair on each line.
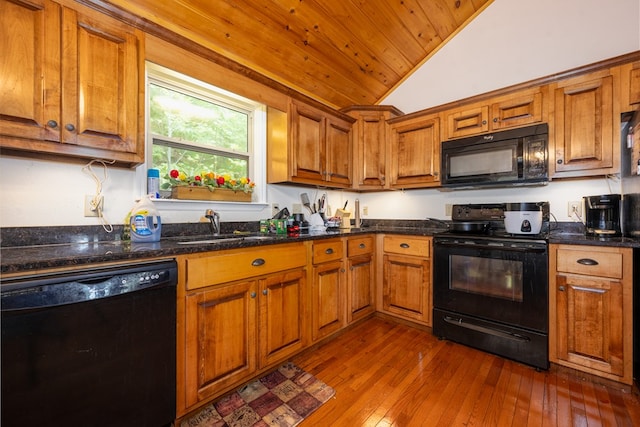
[603,215]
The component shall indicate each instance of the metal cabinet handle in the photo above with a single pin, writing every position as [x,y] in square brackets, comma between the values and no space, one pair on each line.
[404,245]
[52,124]
[484,122]
[587,261]
[264,292]
[329,251]
[561,288]
[362,246]
[69,127]
[258,262]
[342,270]
[495,120]
[592,290]
[559,161]
[253,294]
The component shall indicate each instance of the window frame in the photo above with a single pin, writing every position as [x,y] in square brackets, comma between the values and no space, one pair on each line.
[257,135]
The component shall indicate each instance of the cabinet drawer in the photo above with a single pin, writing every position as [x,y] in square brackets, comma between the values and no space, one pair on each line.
[327,250]
[360,246]
[407,245]
[243,263]
[590,261]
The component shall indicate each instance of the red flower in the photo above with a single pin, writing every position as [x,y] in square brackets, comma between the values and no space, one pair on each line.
[197,178]
[174,174]
[220,180]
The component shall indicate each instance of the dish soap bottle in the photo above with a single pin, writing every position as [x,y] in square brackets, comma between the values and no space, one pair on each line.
[145,224]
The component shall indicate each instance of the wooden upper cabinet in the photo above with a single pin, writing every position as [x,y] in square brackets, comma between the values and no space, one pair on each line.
[371,145]
[76,79]
[584,139]
[517,109]
[415,152]
[630,83]
[339,149]
[309,146]
[29,76]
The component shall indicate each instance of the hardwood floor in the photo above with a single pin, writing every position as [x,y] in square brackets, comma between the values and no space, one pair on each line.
[389,374]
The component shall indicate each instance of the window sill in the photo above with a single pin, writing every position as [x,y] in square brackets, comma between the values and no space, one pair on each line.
[191,205]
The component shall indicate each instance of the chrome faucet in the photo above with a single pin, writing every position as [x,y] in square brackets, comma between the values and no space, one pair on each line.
[214,219]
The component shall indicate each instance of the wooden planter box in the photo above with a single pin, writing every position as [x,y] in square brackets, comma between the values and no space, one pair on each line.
[203,193]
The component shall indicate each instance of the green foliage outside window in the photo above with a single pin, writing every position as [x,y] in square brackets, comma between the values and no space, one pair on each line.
[194,135]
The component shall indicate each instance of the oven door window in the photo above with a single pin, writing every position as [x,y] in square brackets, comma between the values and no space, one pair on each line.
[492,277]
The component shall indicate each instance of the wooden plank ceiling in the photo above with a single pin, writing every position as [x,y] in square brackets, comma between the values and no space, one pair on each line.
[339,52]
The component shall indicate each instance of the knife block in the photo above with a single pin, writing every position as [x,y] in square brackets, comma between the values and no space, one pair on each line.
[345,218]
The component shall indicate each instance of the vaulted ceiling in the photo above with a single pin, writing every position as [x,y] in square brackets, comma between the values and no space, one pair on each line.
[339,52]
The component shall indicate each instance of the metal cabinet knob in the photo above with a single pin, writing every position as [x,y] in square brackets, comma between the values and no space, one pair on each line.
[329,251]
[253,294]
[484,122]
[587,261]
[495,120]
[69,127]
[404,245]
[561,288]
[258,262]
[52,124]
[559,161]
[362,246]
[264,292]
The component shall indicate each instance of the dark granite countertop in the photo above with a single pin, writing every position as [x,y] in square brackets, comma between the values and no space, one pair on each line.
[41,248]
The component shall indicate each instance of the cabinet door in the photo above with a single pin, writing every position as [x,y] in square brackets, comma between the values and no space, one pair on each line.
[406,288]
[584,127]
[327,299]
[99,82]
[519,110]
[467,121]
[590,323]
[360,300]
[220,338]
[339,149]
[415,153]
[371,150]
[29,69]
[307,144]
[281,316]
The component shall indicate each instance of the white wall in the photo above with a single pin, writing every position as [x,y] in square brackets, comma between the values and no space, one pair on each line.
[512,41]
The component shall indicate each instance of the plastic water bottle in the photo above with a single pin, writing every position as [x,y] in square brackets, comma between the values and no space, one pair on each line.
[153,183]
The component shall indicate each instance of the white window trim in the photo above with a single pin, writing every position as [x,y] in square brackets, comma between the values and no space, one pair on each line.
[257,167]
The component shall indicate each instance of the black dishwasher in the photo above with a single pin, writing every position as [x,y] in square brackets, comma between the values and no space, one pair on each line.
[95,347]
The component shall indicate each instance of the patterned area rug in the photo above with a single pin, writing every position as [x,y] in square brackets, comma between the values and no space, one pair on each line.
[281,398]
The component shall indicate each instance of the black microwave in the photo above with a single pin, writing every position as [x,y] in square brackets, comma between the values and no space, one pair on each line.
[511,157]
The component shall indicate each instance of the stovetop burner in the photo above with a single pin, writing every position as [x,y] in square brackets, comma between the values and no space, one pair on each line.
[465,219]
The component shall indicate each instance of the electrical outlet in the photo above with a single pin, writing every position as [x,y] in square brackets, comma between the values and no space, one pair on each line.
[574,209]
[448,207]
[91,208]
[275,208]
[297,208]
[365,210]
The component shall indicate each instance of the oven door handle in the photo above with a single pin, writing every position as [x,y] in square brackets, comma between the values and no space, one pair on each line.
[529,249]
[503,334]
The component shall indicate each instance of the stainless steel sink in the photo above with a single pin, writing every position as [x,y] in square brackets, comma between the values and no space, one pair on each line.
[223,239]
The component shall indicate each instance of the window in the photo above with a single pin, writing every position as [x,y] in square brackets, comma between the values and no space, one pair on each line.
[195,127]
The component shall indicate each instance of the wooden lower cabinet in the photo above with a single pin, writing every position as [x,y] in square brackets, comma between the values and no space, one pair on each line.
[328,288]
[228,331]
[221,338]
[590,308]
[406,281]
[360,277]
